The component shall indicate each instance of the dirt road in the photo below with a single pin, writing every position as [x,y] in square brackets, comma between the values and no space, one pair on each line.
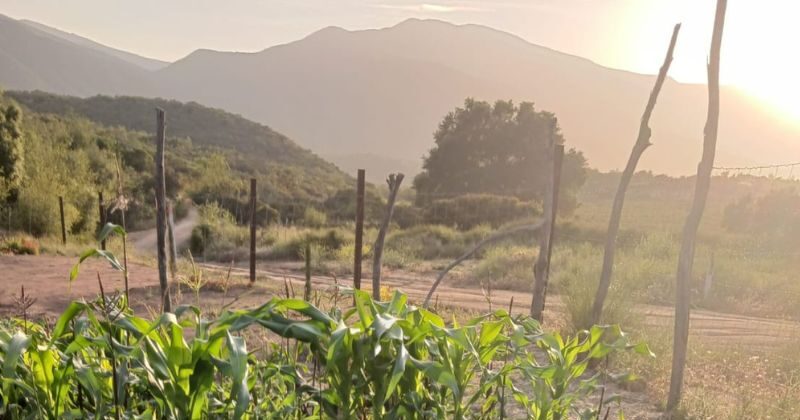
[145,241]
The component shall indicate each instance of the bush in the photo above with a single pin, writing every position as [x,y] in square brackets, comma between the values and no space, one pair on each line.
[407,215]
[314,218]
[19,245]
[217,234]
[430,242]
[292,247]
[506,267]
[468,211]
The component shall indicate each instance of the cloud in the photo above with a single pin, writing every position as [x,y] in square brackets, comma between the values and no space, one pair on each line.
[432,7]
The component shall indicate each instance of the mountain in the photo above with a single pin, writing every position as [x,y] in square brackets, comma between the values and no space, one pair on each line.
[143,62]
[252,149]
[351,94]
[384,91]
[33,59]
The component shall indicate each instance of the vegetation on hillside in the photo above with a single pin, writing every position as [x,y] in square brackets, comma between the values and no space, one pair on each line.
[286,171]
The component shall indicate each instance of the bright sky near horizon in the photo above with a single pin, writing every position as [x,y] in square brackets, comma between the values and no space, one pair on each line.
[758,47]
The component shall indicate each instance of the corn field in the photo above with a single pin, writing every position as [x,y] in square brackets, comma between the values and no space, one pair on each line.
[369,360]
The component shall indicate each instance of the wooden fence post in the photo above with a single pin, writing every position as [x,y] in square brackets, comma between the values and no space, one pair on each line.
[252,230]
[541,269]
[63,225]
[359,242]
[161,211]
[394,182]
[642,143]
[307,288]
[173,246]
[680,340]
[102,210]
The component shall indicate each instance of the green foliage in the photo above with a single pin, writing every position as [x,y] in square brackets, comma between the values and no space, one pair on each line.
[11,151]
[470,210]
[342,205]
[430,242]
[217,235]
[327,240]
[495,149]
[314,218]
[19,245]
[284,170]
[774,216]
[374,360]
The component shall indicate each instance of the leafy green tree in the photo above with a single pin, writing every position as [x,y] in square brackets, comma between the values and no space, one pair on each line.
[495,149]
[11,157]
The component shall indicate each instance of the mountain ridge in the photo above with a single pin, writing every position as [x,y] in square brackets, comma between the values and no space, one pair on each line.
[384,91]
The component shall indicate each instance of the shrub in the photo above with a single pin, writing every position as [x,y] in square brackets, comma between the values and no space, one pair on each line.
[314,218]
[430,242]
[407,215]
[19,245]
[217,234]
[468,211]
[506,267]
[292,247]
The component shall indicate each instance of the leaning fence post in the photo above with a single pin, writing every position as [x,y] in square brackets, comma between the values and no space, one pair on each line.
[680,341]
[642,143]
[394,182]
[252,230]
[359,242]
[161,211]
[63,225]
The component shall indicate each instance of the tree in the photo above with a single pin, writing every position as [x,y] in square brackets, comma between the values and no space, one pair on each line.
[10,151]
[494,149]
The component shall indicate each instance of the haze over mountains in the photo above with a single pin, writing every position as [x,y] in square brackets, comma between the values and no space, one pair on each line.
[376,96]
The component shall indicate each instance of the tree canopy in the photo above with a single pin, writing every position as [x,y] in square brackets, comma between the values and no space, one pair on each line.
[10,150]
[495,149]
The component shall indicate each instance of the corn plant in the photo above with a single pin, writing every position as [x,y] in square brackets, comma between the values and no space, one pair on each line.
[376,359]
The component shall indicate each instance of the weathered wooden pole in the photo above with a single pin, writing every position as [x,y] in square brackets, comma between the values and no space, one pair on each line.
[307,288]
[702,184]
[161,211]
[541,268]
[359,242]
[101,207]
[173,246]
[63,225]
[642,143]
[394,182]
[252,230]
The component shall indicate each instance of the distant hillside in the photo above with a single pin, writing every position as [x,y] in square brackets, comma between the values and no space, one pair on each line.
[33,59]
[384,91]
[143,62]
[251,147]
[348,94]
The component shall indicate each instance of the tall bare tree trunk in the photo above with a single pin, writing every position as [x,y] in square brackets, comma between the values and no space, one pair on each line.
[686,257]
[642,143]
[161,212]
[394,182]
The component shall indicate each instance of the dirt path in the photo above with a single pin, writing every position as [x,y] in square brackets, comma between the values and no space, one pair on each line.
[714,327]
[145,241]
[46,278]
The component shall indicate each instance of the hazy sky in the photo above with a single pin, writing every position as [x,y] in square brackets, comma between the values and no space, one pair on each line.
[759,49]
